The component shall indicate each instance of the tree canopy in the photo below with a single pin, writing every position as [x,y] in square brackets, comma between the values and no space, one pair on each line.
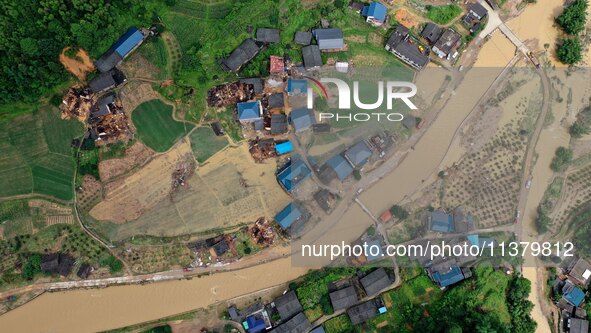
[570,51]
[573,18]
[33,33]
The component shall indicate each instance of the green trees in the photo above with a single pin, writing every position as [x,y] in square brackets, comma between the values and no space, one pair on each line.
[562,158]
[33,33]
[572,20]
[115,265]
[582,126]
[570,51]
[399,212]
[519,306]
[32,267]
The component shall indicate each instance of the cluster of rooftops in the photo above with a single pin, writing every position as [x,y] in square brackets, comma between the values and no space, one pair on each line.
[571,286]
[345,294]
[443,42]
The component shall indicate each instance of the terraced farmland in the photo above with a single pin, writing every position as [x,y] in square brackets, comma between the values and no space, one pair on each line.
[36,155]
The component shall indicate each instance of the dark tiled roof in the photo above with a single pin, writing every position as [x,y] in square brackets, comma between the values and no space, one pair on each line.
[478,10]
[375,281]
[311,55]
[399,44]
[276,100]
[266,35]
[447,42]
[303,38]
[362,312]
[288,305]
[344,298]
[108,61]
[431,33]
[257,84]
[278,124]
[221,247]
[409,121]
[241,55]
[297,324]
[84,271]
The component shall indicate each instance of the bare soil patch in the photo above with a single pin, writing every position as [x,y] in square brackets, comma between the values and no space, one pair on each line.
[136,155]
[78,66]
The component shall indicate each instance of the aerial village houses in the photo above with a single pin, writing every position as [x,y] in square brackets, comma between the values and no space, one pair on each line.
[412,53]
[441,221]
[293,174]
[267,36]
[128,42]
[303,38]
[375,13]
[358,154]
[299,323]
[249,112]
[375,281]
[302,119]
[580,273]
[341,168]
[329,39]
[240,56]
[431,33]
[297,87]
[312,57]
[447,272]
[343,298]
[289,215]
[107,81]
[447,44]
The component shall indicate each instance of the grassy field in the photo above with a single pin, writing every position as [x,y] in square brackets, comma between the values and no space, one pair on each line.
[205,143]
[339,324]
[36,155]
[156,127]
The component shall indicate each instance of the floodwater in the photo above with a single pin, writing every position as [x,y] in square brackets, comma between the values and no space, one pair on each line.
[102,309]
[424,162]
[537,23]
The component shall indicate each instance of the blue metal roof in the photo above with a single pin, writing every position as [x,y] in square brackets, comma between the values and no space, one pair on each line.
[291,176]
[288,216]
[249,110]
[254,325]
[318,329]
[482,242]
[574,296]
[130,39]
[342,168]
[453,276]
[301,119]
[284,148]
[375,10]
[441,222]
[297,86]
[375,242]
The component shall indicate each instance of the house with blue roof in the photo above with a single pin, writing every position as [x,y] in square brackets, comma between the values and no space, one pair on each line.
[252,324]
[481,242]
[290,214]
[122,48]
[302,119]
[297,87]
[572,294]
[292,175]
[441,221]
[446,273]
[340,166]
[284,148]
[249,112]
[375,13]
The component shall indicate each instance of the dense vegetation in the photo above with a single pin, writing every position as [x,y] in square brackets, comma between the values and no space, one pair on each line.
[580,223]
[399,212]
[582,126]
[561,159]
[573,18]
[443,14]
[33,33]
[570,51]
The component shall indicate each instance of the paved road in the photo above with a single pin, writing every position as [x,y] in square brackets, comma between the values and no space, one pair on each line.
[495,22]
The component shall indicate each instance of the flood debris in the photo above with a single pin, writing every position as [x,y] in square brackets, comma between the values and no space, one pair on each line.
[184,169]
[229,94]
[262,232]
[77,102]
[262,149]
